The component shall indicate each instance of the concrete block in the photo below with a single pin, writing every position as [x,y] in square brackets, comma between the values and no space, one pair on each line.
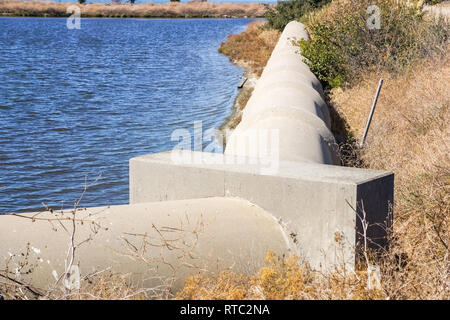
[313,202]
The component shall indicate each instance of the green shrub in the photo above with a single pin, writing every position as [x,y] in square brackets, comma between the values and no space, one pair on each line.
[285,11]
[342,48]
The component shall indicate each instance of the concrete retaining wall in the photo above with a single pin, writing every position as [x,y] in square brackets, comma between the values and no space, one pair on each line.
[287,99]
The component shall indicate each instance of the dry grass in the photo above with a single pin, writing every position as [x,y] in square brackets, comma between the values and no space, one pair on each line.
[146,10]
[109,287]
[251,50]
[105,286]
[252,47]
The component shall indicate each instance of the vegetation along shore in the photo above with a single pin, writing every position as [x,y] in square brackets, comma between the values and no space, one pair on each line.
[250,50]
[191,9]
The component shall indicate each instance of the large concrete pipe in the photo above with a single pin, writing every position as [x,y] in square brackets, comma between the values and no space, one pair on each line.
[161,239]
[287,99]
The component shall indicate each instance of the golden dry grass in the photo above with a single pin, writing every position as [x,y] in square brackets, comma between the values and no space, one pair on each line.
[252,47]
[106,286]
[280,279]
[145,10]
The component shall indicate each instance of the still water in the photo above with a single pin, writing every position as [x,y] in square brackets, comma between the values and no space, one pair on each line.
[78,104]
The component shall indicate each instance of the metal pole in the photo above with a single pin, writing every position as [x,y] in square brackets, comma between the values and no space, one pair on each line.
[371,113]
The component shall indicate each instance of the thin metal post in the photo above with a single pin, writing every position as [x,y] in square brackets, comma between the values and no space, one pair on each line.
[369,120]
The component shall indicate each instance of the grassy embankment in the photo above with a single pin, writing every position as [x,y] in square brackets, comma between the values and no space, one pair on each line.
[251,50]
[409,136]
[126,10]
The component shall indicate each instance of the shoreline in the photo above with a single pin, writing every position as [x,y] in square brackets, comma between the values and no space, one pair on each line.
[129,17]
[125,10]
[249,50]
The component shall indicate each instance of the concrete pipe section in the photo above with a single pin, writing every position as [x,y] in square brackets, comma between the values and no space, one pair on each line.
[287,105]
[154,242]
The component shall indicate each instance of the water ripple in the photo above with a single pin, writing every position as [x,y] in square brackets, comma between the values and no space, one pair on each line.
[81,103]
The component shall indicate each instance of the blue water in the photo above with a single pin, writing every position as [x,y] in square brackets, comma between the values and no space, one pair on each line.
[81,103]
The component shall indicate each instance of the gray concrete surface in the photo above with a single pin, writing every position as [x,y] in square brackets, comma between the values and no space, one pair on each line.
[311,201]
